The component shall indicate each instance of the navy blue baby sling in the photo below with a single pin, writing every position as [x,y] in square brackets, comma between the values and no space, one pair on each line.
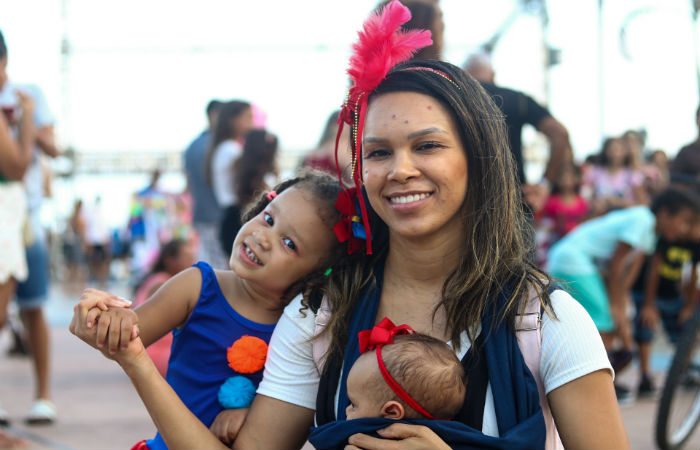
[494,358]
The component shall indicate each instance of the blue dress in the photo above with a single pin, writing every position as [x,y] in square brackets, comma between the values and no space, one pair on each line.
[198,365]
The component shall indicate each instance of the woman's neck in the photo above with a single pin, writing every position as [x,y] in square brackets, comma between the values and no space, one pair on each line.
[424,261]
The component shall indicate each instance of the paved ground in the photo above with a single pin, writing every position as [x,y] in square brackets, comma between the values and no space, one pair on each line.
[100,410]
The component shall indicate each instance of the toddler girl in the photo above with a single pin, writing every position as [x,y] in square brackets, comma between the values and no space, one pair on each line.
[286,243]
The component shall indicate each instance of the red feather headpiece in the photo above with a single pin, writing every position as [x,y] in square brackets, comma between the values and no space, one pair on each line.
[380,46]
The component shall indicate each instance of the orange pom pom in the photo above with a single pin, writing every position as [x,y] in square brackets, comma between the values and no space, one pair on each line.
[247,354]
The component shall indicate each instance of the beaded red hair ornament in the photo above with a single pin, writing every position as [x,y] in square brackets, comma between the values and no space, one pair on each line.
[380,46]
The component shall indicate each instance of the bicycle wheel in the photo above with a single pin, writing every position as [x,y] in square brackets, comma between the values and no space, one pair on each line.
[679,407]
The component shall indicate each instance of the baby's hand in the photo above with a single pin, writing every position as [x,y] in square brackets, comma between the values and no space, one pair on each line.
[116,327]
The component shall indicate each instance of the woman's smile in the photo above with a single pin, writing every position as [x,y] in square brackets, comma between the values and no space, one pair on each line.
[414,165]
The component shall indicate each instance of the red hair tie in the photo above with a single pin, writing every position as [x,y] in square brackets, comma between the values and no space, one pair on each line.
[382,334]
[270,195]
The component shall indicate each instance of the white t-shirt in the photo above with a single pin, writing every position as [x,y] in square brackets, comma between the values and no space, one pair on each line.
[571,348]
[225,155]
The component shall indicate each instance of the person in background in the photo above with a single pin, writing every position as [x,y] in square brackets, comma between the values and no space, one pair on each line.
[686,165]
[323,156]
[17,135]
[425,15]
[563,211]
[234,121]
[98,239]
[32,292]
[174,257]
[206,214]
[618,240]
[257,161]
[660,295]
[656,175]
[612,183]
[74,244]
[520,109]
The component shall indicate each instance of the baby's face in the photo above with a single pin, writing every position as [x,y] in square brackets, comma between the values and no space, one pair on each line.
[362,374]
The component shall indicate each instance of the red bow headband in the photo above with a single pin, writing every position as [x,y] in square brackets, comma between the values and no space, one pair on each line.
[382,334]
[381,45]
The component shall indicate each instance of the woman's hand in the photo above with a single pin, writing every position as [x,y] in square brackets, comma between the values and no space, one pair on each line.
[398,436]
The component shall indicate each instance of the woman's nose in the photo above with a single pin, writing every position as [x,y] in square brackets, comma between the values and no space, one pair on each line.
[403,167]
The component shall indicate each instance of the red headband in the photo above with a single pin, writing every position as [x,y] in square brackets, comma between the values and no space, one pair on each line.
[383,334]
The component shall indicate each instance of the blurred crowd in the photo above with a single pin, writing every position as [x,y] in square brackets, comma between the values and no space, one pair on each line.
[235,159]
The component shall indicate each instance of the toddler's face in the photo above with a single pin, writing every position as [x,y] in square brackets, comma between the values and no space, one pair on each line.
[282,244]
[363,403]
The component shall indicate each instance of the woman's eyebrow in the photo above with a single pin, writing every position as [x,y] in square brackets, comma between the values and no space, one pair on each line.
[426,131]
[415,134]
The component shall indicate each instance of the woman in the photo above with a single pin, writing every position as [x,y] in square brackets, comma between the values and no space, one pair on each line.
[234,122]
[450,247]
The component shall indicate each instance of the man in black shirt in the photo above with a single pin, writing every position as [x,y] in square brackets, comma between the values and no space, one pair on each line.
[520,109]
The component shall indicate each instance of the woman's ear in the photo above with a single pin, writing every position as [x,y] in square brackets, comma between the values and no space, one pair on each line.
[393,410]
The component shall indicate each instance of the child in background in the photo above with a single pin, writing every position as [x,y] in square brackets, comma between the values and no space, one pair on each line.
[565,208]
[612,183]
[287,243]
[660,295]
[430,378]
[612,240]
[174,257]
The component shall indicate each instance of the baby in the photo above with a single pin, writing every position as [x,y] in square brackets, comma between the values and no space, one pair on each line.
[409,376]
[423,367]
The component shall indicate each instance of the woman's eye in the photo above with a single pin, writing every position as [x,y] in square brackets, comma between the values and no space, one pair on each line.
[268,219]
[376,154]
[289,243]
[429,146]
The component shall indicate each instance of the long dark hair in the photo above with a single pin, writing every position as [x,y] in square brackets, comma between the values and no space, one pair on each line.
[604,159]
[257,159]
[224,130]
[3,46]
[499,238]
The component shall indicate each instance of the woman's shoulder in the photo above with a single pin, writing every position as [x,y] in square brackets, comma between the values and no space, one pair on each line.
[299,317]
[571,344]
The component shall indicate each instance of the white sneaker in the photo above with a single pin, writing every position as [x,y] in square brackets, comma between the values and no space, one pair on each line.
[4,418]
[43,412]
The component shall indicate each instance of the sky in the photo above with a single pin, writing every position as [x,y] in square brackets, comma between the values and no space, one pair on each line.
[139,73]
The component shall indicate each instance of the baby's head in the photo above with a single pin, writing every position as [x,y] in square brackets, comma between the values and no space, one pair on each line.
[287,239]
[425,367]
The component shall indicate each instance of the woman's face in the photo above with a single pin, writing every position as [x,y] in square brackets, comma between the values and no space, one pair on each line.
[615,153]
[242,123]
[414,165]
